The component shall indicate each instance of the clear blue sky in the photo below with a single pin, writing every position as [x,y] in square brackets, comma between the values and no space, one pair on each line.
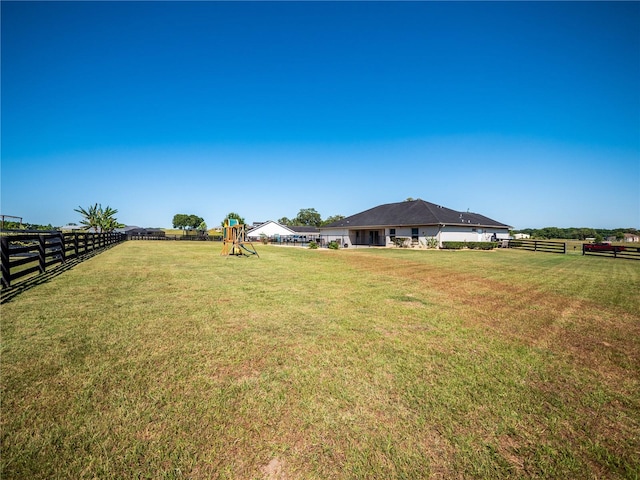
[528,113]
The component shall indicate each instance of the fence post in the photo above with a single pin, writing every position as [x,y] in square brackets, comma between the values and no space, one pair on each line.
[41,253]
[63,253]
[4,261]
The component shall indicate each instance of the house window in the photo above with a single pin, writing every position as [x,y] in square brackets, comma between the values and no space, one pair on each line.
[392,234]
[414,235]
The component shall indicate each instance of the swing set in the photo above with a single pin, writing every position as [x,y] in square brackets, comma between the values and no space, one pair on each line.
[233,240]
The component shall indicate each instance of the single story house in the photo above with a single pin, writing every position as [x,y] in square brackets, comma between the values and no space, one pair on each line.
[415,221]
[274,230]
[269,229]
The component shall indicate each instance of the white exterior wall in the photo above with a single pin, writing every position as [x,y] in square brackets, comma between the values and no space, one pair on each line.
[452,233]
[424,232]
[340,235]
[458,233]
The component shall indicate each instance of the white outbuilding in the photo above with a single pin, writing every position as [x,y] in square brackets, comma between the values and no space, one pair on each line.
[269,229]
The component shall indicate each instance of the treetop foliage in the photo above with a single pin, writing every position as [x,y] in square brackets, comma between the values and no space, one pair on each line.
[188,222]
[309,217]
[235,216]
[574,233]
[98,218]
[26,226]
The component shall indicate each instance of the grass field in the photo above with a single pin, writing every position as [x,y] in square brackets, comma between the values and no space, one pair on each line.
[165,360]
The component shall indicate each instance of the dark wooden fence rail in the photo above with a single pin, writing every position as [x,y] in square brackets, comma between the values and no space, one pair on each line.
[539,245]
[27,253]
[615,251]
[208,238]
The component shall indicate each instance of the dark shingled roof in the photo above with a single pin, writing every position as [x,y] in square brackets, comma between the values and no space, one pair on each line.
[409,213]
[304,229]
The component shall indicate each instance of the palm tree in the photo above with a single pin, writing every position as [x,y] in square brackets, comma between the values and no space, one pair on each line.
[91,218]
[98,219]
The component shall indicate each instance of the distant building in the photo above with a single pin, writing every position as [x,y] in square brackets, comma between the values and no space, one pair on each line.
[631,237]
[133,231]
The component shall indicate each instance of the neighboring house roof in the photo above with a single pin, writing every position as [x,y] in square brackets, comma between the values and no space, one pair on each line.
[77,228]
[304,229]
[127,229]
[415,212]
[72,227]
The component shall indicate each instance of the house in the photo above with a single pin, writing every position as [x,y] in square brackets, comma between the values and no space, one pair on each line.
[269,229]
[521,236]
[631,237]
[416,221]
[274,230]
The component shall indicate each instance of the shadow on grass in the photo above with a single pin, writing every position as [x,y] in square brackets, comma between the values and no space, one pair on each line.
[8,294]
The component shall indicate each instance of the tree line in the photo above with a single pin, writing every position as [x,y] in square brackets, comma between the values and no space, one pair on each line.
[309,217]
[574,233]
[306,217]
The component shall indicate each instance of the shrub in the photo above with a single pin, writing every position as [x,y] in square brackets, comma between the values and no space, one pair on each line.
[401,242]
[313,245]
[333,245]
[430,242]
[471,245]
[453,245]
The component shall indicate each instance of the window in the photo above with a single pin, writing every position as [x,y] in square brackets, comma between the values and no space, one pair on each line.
[414,235]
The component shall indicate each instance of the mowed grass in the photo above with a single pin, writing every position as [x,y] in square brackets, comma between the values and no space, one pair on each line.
[165,360]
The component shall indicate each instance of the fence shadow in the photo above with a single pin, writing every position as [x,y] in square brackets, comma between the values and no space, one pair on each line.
[9,293]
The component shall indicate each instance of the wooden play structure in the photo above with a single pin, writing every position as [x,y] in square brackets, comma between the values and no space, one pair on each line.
[233,240]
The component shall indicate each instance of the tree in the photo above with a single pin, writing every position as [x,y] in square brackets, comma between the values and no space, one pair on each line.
[101,220]
[184,221]
[331,219]
[284,221]
[180,220]
[309,217]
[202,227]
[235,216]
[194,221]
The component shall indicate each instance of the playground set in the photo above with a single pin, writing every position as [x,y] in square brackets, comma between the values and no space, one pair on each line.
[233,240]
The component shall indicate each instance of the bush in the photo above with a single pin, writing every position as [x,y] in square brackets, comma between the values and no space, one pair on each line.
[430,242]
[333,245]
[453,245]
[471,245]
[401,242]
[313,245]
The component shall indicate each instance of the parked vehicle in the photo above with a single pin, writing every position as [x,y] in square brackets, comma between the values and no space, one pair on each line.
[603,247]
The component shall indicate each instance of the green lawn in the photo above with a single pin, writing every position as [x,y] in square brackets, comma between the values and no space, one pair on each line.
[165,360]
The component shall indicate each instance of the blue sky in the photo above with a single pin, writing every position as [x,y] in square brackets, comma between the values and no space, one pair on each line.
[528,113]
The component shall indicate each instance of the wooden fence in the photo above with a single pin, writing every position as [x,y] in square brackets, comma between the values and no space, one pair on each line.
[613,251]
[539,245]
[29,253]
[205,238]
